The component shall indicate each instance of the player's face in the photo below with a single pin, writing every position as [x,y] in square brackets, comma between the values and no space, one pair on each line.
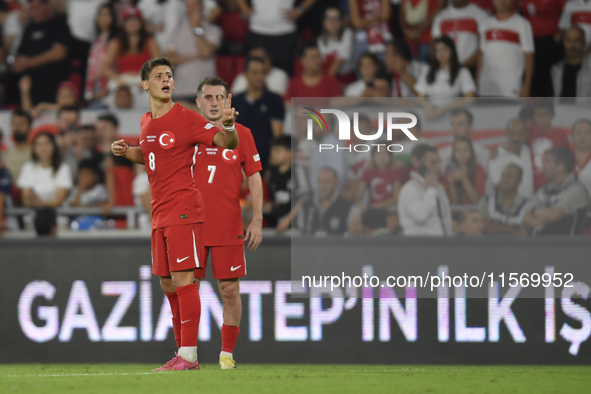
[510,179]
[543,118]
[210,101]
[160,83]
[582,136]
[460,126]
[327,184]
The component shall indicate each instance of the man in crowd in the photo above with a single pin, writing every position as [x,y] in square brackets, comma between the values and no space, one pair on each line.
[326,212]
[470,224]
[559,207]
[582,151]
[503,209]
[405,70]
[260,110]
[571,77]
[20,153]
[423,207]
[514,150]
[462,122]
[276,79]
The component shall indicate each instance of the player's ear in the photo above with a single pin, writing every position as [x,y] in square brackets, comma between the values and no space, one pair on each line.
[198,102]
[145,85]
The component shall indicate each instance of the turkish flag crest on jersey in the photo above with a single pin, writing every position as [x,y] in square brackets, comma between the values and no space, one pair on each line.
[167,140]
[229,156]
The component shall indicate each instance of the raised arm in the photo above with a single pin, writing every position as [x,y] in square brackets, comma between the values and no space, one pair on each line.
[227,139]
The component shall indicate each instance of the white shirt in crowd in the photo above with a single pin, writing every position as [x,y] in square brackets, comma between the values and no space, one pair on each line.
[461,24]
[140,186]
[166,16]
[504,44]
[43,181]
[355,89]
[480,151]
[269,17]
[584,175]
[415,70]
[498,164]
[13,27]
[189,74]
[577,12]
[440,91]
[81,17]
[276,81]
[424,210]
[342,49]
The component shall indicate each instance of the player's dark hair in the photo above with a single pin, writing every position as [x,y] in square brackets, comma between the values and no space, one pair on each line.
[212,81]
[421,150]
[23,114]
[454,63]
[544,104]
[108,117]
[283,141]
[402,49]
[463,111]
[153,63]
[56,157]
[251,59]
[45,221]
[563,155]
[304,49]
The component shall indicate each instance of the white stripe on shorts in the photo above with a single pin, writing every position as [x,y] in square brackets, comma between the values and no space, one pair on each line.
[195,250]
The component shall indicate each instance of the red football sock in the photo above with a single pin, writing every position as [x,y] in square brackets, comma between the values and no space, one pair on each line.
[190,308]
[229,337]
[176,317]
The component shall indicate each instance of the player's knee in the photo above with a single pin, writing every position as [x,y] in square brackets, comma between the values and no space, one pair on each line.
[229,290]
[182,278]
[167,285]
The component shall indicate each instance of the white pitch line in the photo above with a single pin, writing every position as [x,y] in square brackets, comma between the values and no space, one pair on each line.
[80,374]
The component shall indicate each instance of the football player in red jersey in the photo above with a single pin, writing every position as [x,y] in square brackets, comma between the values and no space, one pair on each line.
[218,175]
[169,140]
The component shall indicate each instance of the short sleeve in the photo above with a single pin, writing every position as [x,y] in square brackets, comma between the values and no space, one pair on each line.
[25,179]
[564,22]
[527,37]
[63,177]
[199,130]
[213,35]
[345,49]
[421,85]
[466,82]
[251,161]
[573,199]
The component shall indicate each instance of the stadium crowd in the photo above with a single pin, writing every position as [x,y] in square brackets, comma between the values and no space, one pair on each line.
[61,56]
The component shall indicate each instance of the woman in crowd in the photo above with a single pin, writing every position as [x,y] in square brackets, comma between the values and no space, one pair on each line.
[336,46]
[370,18]
[96,82]
[45,181]
[466,180]
[445,79]
[369,65]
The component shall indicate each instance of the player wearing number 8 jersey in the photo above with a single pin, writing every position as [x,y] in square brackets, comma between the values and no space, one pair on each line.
[169,141]
[218,176]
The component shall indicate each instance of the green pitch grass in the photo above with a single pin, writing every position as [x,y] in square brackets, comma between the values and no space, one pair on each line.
[290,378]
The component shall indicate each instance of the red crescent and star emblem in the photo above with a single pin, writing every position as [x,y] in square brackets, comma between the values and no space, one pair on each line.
[167,140]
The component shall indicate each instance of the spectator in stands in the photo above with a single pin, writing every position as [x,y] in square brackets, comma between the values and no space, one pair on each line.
[46,57]
[336,45]
[445,80]
[261,110]
[543,17]
[68,118]
[46,222]
[559,207]
[90,191]
[326,212]
[571,77]
[45,181]
[123,97]
[514,150]
[582,151]
[5,194]
[403,158]
[276,79]
[416,18]
[163,16]
[67,94]
[273,26]
[357,162]
[284,181]
[543,136]
[577,13]
[105,29]
[312,82]
[20,152]
[89,143]
[466,179]
[226,14]
[502,210]
[370,18]
[191,49]
[368,66]
[128,52]
[506,63]
[462,122]
[12,30]
[470,224]
[404,68]
[423,206]
[461,21]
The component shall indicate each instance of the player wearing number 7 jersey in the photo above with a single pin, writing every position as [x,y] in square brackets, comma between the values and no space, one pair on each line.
[170,137]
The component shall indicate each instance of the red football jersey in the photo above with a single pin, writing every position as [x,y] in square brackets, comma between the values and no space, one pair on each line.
[381,183]
[218,175]
[169,145]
